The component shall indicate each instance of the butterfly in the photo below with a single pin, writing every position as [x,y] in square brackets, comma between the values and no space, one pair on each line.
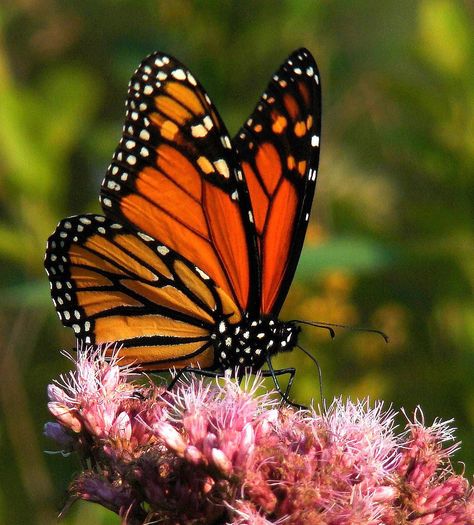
[200,236]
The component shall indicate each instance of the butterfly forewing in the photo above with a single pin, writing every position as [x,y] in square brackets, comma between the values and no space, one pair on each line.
[278,148]
[175,176]
[113,284]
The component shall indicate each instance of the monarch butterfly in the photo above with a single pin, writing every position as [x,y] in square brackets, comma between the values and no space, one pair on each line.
[192,260]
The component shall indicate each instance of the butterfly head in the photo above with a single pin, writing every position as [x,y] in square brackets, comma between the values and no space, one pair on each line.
[250,342]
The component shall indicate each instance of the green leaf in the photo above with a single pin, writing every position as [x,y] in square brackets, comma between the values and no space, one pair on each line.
[351,254]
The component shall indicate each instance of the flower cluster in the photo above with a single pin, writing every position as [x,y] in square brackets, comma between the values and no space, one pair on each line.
[216,452]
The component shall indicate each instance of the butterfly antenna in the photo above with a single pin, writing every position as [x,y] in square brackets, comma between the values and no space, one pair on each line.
[320,374]
[330,327]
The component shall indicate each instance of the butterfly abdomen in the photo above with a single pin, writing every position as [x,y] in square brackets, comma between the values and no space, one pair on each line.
[250,342]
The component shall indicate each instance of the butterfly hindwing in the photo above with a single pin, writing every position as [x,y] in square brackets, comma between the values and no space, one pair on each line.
[110,283]
[175,177]
[278,148]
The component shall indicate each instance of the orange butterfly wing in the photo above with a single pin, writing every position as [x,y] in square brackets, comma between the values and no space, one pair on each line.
[278,149]
[175,177]
[109,283]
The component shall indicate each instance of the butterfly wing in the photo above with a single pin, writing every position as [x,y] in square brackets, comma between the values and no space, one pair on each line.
[110,283]
[175,177]
[278,149]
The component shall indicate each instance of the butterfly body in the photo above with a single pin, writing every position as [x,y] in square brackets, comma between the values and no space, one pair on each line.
[249,343]
[192,259]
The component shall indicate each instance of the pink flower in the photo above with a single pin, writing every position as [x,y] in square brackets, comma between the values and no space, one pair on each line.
[213,452]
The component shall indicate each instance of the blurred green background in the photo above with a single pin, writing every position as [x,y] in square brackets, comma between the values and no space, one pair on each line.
[390,244]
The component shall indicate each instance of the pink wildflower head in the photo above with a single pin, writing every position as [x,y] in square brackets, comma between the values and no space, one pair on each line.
[429,488]
[98,399]
[213,452]
[218,423]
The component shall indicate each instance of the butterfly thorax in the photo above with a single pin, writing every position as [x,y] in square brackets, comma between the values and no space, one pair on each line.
[251,341]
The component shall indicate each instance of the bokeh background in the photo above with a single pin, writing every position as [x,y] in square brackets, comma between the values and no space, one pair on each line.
[390,244]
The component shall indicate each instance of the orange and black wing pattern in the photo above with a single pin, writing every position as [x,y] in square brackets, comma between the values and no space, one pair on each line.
[278,148]
[110,283]
[175,177]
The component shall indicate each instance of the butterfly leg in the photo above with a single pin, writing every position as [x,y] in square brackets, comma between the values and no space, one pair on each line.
[271,372]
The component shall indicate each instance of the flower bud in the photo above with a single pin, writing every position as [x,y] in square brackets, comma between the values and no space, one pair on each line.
[221,461]
[65,416]
[56,394]
[58,433]
[384,494]
[122,427]
[193,455]
[111,379]
[171,437]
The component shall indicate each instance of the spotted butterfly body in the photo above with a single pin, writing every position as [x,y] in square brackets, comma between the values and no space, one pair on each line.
[201,234]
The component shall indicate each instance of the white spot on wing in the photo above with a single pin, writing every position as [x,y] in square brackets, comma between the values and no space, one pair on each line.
[198,131]
[222,167]
[201,273]
[145,237]
[112,185]
[226,142]
[179,74]
[207,121]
